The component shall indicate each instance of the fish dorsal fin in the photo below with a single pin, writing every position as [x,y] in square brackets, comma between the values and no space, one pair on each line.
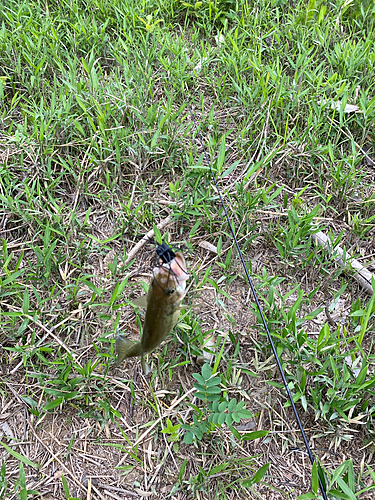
[140,301]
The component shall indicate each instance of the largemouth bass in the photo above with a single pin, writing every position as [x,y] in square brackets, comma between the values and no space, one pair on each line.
[164,298]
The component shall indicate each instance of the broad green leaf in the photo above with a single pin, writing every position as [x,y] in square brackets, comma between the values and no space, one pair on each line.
[53,404]
[26,301]
[223,406]
[254,435]
[365,321]
[245,413]
[30,401]
[345,488]
[232,404]
[19,457]
[157,234]
[221,418]
[230,169]
[213,381]
[182,470]
[315,478]
[235,432]
[362,375]
[236,417]
[213,390]
[206,371]
[65,486]
[12,277]
[92,287]
[217,469]
[114,294]
[258,476]
[155,138]
[188,438]
[260,473]
[338,494]
[221,157]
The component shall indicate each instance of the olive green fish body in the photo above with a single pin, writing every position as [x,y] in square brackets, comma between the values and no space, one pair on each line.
[164,298]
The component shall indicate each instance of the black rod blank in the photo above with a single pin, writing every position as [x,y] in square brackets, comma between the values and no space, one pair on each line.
[311,456]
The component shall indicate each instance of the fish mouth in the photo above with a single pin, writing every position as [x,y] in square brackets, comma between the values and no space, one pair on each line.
[173,273]
[175,268]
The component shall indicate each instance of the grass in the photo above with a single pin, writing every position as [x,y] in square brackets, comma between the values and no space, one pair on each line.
[97,146]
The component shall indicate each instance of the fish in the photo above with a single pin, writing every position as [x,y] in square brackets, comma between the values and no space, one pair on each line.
[164,298]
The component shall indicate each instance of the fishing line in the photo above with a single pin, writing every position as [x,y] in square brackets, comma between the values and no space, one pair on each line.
[311,456]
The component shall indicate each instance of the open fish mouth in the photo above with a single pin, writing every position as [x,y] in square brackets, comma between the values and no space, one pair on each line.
[171,274]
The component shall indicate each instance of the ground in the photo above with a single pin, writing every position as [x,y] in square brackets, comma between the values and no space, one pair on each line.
[98,148]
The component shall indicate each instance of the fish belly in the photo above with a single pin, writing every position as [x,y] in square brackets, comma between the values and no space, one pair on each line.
[157,326]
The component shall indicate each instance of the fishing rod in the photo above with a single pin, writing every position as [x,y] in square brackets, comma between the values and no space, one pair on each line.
[311,456]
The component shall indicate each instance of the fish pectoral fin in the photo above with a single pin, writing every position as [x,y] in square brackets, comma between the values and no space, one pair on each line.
[140,301]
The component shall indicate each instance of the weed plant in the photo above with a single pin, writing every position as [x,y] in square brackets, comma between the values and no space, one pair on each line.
[97,146]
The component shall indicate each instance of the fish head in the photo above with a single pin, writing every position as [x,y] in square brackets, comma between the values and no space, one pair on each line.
[171,278]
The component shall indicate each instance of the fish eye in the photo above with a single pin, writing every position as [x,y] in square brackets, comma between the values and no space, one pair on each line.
[170,291]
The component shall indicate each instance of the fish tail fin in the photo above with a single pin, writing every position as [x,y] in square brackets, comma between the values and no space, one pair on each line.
[125,348]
